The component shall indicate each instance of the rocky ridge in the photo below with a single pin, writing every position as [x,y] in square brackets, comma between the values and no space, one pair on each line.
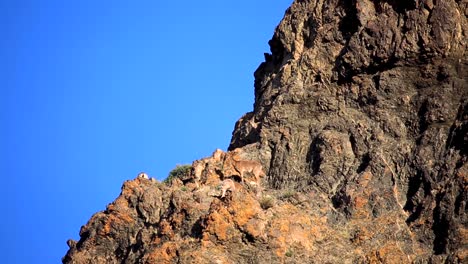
[360,123]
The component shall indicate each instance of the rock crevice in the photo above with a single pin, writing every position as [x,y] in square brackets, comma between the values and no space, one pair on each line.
[360,124]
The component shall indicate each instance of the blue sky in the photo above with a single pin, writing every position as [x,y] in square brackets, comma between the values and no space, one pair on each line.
[93,92]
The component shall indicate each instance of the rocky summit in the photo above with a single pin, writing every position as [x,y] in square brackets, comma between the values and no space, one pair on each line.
[355,152]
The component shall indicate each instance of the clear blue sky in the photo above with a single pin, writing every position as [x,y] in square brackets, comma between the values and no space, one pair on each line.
[93,92]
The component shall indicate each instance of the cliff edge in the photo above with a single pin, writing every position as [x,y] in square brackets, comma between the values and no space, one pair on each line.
[355,152]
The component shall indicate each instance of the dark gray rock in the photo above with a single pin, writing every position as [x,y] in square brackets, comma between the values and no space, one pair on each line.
[361,123]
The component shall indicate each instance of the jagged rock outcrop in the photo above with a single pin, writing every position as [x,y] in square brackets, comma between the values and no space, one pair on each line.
[361,124]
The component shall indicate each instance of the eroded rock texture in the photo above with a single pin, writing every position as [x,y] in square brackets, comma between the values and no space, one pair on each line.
[361,123]
[374,89]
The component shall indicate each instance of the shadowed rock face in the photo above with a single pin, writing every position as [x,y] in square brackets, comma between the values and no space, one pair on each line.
[361,123]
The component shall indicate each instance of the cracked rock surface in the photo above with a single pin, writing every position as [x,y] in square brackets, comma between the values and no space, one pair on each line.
[360,123]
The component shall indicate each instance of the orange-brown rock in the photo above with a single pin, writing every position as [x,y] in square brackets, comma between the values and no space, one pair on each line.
[360,126]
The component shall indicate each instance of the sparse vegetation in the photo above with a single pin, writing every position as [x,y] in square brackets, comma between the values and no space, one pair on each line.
[287,194]
[178,172]
[289,253]
[183,188]
[267,202]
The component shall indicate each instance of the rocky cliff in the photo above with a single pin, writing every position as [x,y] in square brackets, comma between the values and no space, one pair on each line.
[360,129]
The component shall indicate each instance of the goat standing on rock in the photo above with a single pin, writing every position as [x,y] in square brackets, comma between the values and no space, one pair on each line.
[227,185]
[245,166]
[143,175]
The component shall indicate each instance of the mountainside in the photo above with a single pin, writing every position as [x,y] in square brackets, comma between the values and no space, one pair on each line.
[356,152]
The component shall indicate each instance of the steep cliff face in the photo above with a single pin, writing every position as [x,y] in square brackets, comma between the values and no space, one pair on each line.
[360,123]
[374,89]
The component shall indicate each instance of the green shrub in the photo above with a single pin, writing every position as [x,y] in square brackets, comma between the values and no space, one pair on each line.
[266,202]
[178,172]
[289,253]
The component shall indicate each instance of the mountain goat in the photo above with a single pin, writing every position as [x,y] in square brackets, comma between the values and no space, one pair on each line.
[227,185]
[243,166]
[142,175]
